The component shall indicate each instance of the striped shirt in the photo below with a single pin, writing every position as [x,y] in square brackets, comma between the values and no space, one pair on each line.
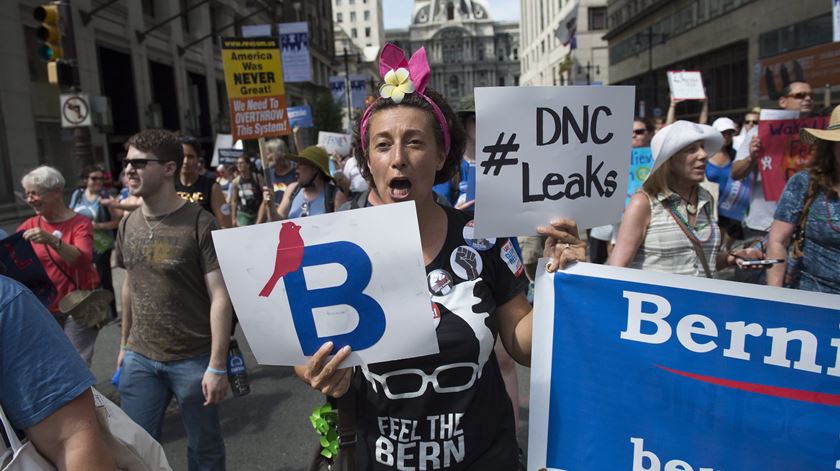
[666,248]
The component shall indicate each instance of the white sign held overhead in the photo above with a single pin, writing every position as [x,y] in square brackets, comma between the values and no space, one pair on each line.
[335,142]
[686,85]
[75,110]
[354,278]
[548,152]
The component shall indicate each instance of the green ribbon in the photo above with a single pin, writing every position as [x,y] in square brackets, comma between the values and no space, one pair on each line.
[325,421]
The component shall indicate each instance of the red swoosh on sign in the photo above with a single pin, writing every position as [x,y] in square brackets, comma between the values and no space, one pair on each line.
[787,393]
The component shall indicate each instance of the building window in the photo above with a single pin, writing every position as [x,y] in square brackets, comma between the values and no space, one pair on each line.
[450,11]
[597,18]
[367,15]
[338,3]
[338,17]
[353,33]
[367,32]
[501,81]
[352,2]
[352,16]
[515,54]
[149,8]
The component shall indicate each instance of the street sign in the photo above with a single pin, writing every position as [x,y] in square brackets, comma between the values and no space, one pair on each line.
[75,110]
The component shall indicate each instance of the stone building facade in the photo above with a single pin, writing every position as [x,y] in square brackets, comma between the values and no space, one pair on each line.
[465,47]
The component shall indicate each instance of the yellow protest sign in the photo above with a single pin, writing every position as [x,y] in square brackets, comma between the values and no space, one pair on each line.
[254,81]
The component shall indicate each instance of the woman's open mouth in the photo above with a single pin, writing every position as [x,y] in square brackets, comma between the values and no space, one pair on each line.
[399,188]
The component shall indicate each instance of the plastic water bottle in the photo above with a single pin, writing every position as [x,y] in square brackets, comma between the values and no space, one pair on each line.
[115,380]
[237,375]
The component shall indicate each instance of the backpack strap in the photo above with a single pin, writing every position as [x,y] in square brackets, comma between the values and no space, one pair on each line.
[329,197]
[74,198]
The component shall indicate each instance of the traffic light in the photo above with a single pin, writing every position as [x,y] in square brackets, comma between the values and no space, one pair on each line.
[49,33]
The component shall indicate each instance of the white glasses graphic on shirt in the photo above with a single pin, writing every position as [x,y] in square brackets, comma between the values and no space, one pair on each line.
[452,378]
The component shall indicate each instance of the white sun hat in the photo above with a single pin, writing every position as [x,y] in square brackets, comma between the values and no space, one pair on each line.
[675,137]
[724,124]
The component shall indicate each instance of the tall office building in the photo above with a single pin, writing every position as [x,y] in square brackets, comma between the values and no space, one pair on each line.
[362,22]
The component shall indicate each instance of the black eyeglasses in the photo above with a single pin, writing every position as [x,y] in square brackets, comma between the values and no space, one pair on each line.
[639,132]
[140,163]
[304,209]
[801,95]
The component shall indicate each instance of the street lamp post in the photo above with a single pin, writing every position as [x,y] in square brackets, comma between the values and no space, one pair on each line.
[347,89]
[661,37]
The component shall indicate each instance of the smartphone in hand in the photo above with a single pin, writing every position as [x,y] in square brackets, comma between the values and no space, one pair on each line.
[759,263]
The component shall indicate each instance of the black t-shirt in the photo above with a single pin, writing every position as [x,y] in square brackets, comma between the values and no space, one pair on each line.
[449,410]
[200,192]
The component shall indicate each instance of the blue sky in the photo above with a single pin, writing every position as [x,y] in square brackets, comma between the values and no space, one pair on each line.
[397,13]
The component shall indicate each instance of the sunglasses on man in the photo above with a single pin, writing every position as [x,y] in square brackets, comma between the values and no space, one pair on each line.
[800,95]
[639,132]
[140,163]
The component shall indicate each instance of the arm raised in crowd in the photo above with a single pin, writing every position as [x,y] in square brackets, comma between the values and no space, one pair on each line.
[742,168]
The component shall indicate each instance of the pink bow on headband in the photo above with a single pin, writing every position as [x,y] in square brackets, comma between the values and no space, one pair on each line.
[401,77]
[393,58]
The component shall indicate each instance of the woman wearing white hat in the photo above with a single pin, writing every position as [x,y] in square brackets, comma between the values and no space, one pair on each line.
[814,192]
[669,226]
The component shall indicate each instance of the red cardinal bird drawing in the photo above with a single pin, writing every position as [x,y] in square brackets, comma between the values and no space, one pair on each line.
[289,255]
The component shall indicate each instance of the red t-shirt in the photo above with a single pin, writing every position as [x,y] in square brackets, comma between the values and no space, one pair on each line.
[78,232]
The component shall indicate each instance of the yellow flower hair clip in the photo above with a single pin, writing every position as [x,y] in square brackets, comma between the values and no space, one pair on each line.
[397,84]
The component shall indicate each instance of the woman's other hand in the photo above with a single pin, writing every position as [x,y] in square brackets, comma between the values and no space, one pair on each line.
[563,244]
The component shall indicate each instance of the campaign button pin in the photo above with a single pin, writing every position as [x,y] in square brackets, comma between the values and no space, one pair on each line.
[478,244]
[466,263]
[436,314]
[440,282]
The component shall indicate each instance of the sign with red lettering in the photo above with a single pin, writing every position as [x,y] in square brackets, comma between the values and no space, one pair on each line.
[254,81]
[783,153]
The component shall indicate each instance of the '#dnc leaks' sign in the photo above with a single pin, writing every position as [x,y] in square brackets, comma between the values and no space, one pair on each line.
[643,371]
[549,152]
[353,278]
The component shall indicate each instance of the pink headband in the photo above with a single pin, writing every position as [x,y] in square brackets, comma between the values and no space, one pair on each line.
[403,77]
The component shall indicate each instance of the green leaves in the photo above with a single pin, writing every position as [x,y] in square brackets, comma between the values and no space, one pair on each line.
[324,420]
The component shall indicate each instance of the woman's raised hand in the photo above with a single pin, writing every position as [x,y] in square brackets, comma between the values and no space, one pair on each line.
[322,372]
[563,244]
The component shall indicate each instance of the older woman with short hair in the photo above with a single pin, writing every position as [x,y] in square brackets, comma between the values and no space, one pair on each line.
[669,226]
[63,241]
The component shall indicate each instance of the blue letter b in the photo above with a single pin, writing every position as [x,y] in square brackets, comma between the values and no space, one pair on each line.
[302,301]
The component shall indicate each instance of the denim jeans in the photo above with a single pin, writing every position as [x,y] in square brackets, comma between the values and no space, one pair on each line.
[146,386]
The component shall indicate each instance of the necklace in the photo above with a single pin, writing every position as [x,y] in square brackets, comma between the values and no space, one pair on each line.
[152,228]
[693,230]
[690,207]
[828,214]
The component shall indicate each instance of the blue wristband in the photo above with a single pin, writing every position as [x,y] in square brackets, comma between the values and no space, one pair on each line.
[216,372]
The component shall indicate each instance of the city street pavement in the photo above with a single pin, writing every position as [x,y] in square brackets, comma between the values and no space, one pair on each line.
[268,429]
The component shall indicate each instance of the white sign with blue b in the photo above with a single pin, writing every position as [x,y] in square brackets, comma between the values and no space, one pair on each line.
[636,370]
[354,278]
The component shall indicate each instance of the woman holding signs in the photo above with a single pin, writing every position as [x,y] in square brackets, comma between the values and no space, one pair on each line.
[450,409]
[810,209]
[670,225]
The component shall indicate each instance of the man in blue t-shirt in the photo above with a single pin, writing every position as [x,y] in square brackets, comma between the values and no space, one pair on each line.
[44,385]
